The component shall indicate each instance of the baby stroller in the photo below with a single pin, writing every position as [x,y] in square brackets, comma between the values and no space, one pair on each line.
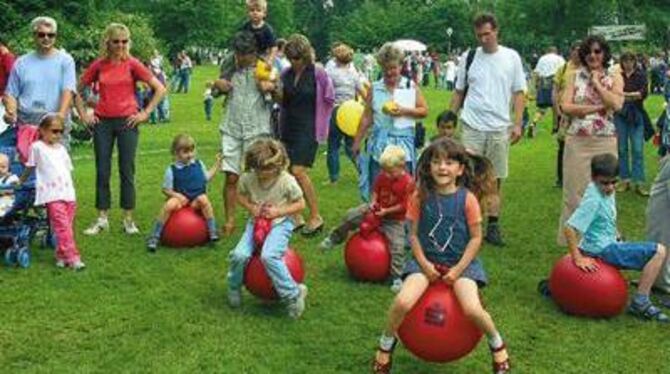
[21,223]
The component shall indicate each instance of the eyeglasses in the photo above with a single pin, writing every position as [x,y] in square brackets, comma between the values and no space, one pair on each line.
[431,233]
[596,51]
[120,41]
[43,35]
[294,58]
[56,131]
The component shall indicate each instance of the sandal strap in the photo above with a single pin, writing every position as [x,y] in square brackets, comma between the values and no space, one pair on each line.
[503,346]
[502,367]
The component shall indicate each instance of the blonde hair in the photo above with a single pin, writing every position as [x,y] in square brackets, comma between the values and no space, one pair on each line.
[43,21]
[393,156]
[182,142]
[343,53]
[298,47]
[389,54]
[266,154]
[262,4]
[112,30]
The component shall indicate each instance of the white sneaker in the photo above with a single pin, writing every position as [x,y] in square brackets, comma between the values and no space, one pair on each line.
[234,298]
[326,243]
[130,227]
[396,285]
[98,226]
[297,306]
[78,265]
[60,264]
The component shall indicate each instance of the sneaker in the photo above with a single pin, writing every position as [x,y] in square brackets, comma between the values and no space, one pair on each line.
[396,285]
[297,306]
[213,237]
[623,186]
[78,265]
[98,226]
[152,244]
[326,243]
[493,235]
[641,190]
[648,312]
[234,298]
[130,227]
[60,264]
[531,131]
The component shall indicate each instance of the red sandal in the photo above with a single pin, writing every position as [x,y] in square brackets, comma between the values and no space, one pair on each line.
[380,368]
[503,367]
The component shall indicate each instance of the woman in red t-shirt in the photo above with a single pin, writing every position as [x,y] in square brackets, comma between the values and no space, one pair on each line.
[116,117]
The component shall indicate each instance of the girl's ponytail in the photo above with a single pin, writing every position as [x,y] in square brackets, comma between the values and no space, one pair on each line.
[479,178]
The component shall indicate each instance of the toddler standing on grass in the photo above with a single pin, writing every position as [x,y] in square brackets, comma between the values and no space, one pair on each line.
[54,188]
[446,233]
[208,100]
[267,190]
[185,183]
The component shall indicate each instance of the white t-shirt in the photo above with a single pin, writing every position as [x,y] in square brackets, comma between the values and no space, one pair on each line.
[53,171]
[548,64]
[493,79]
[450,70]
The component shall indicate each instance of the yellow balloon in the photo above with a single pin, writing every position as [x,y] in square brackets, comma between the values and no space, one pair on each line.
[348,116]
[263,71]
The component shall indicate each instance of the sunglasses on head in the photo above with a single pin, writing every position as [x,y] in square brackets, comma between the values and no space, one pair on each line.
[43,35]
[120,41]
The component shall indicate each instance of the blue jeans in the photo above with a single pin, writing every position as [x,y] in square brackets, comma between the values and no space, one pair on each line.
[335,138]
[633,133]
[627,255]
[209,104]
[184,80]
[272,257]
[160,114]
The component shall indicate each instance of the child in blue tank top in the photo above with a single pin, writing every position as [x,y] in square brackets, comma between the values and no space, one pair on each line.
[446,236]
[185,182]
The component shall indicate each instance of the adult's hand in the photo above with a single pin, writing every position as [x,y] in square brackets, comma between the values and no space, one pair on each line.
[10,117]
[137,118]
[90,119]
[516,134]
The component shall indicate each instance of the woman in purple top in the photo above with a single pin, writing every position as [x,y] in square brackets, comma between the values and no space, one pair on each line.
[306,100]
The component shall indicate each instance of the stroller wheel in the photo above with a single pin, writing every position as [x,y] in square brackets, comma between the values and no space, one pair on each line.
[24,258]
[10,257]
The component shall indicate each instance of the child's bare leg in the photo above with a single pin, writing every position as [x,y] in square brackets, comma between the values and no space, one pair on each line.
[230,202]
[651,270]
[467,293]
[203,204]
[412,289]
[170,206]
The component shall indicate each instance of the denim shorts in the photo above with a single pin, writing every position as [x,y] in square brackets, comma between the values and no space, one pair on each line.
[474,271]
[627,255]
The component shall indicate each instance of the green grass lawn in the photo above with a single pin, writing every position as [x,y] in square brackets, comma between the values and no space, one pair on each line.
[131,311]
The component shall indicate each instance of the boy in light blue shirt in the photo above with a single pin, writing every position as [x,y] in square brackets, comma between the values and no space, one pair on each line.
[595,221]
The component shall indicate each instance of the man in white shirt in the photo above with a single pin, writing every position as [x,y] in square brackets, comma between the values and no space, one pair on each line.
[544,72]
[486,91]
